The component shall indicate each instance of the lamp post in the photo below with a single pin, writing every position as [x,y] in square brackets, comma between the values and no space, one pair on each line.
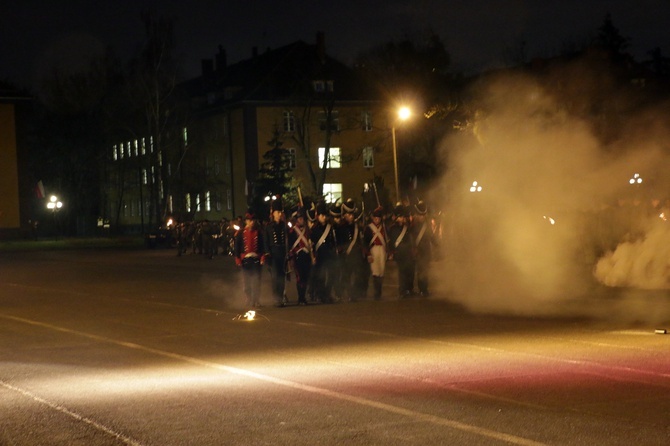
[54,205]
[403,114]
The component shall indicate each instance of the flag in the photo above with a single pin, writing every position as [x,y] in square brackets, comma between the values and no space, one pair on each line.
[39,189]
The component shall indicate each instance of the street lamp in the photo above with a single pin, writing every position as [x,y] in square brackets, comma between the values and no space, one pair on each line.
[403,114]
[54,204]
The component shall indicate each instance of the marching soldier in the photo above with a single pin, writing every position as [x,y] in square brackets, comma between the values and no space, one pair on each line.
[335,212]
[401,245]
[355,269]
[375,240]
[249,256]
[275,251]
[323,244]
[423,242]
[300,253]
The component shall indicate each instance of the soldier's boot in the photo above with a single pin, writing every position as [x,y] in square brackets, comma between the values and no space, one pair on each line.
[378,286]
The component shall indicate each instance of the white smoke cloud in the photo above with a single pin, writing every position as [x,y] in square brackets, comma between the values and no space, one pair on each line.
[535,161]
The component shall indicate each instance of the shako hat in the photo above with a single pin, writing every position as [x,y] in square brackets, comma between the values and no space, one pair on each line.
[420,208]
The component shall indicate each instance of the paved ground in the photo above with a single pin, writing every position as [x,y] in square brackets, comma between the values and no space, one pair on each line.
[144,348]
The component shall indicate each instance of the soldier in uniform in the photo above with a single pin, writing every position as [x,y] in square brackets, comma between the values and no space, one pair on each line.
[355,269]
[322,237]
[401,246]
[275,251]
[423,242]
[335,212]
[300,253]
[249,256]
[375,245]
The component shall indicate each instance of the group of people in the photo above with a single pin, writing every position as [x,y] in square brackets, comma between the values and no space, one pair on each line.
[332,250]
[208,238]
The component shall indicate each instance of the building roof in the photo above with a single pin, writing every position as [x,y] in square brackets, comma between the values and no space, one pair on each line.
[281,75]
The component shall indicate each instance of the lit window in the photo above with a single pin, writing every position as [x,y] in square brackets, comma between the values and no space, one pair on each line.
[144,146]
[121,149]
[136,147]
[368,157]
[185,136]
[208,204]
[333,157]
[332,192]
[170,208]
[145,179]
[292,159]
[188,202]
[114,153]
[289,121]
[130,149]
[367,121]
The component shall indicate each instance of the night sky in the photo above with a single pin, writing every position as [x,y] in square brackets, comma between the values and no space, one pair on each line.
[477,33]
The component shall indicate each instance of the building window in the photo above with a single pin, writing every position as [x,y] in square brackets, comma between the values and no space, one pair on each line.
[197,202]
[291,158]
[170,207]
[144,146]
[136,147]
[184,133]
[321,86]
[332,192]
[333,157]
[229,199]
[145,178]
[334,121]
[218,202]
[151,144]
[208,202]
[289,121]
[368,157]
[367,121]
[217,165]
[188,202]
[115,154]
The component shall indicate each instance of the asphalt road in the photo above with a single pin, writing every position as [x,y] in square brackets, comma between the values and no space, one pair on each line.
[145,348]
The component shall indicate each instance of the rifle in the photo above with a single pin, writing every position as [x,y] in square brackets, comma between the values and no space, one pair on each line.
[302,205]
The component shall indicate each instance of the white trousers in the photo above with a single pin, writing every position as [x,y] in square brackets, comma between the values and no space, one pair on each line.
[378,265]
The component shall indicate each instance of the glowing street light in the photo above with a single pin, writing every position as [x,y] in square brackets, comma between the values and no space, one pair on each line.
[54,204]
[475,187]
[404,114]
[637,179]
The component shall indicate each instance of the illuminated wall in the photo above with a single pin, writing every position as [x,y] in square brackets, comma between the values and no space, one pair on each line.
[9,178]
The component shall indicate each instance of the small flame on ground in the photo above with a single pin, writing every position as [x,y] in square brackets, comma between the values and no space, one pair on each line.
[248,316]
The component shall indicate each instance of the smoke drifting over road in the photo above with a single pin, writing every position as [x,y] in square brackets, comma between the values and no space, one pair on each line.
[537,162]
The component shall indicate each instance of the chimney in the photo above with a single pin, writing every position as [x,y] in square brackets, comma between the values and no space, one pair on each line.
[207,66]
[321,46]
[221,59]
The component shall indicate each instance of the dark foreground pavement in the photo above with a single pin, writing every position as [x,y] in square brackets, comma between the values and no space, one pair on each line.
[144,348]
